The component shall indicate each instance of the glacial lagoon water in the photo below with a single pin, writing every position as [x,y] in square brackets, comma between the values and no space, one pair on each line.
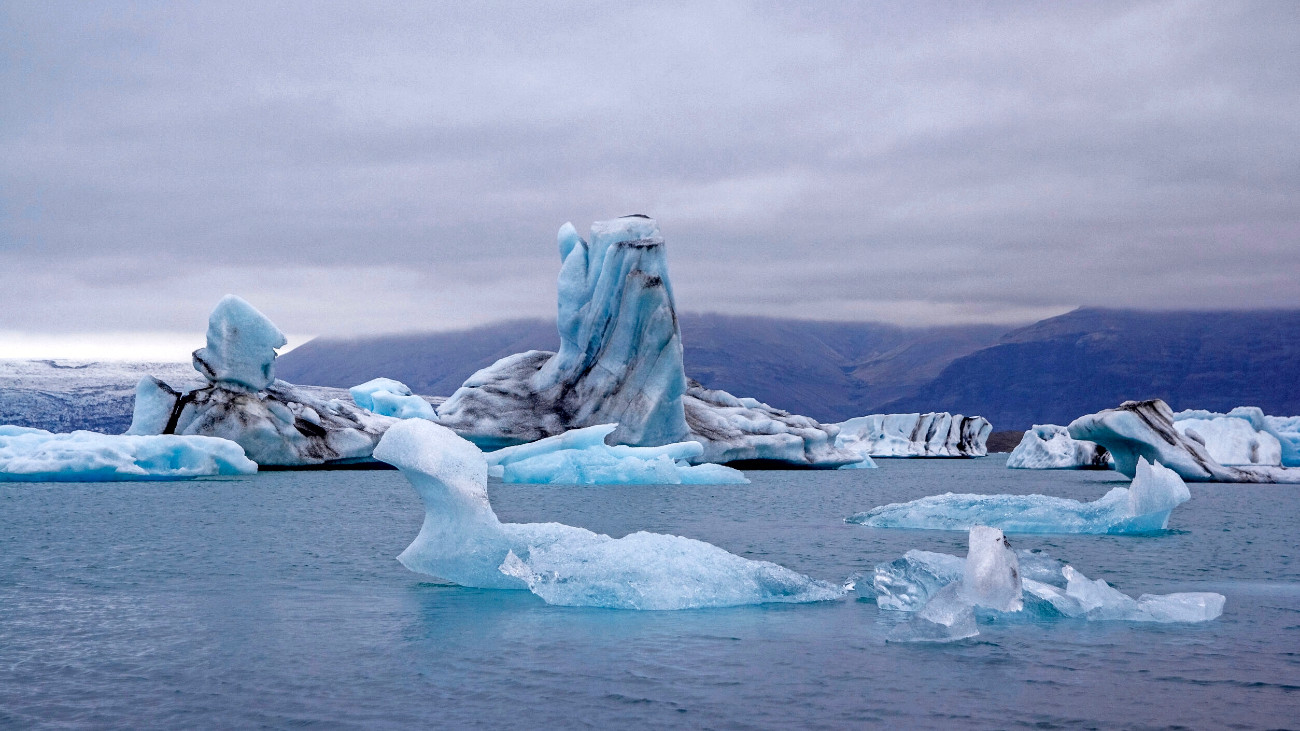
[275,601]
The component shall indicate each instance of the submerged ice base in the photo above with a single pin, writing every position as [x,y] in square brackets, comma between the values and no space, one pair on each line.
[35,455]
[581,457]
[947,596]
[462,541]
[1143,507]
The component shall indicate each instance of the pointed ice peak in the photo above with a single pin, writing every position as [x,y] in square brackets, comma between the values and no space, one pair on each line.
[241,346]
[992,575]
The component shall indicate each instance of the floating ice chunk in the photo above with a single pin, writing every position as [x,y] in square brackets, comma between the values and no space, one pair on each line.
[1287,431]
[747,430]
[154,403]
[1049,447]
[462,541]
[1143,507]
[1243,436]
[946,617]
[866,464]
[387,397]
[915,435]
[35,455]
[906,584]
[991,576]
[241,346]
[581,457]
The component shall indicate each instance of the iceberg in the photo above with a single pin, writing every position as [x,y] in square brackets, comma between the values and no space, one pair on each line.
[581,457]
[1146,429]
[915,435]
[462,541]
[1142,507]
[387,397]
[620,362]
[1049,447]
[35,455]
[1287,431]
[1243,436]
[277,424]
[991,584]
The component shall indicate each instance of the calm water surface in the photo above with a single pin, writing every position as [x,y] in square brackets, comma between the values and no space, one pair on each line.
[275,601]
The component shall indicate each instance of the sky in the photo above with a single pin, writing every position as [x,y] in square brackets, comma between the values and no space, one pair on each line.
[355,168]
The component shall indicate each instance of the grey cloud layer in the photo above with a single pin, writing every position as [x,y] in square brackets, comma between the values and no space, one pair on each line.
[914,162]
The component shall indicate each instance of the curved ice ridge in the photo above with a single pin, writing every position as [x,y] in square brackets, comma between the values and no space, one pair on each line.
[462,541]
[35,455]
[581,457]
[1049,447]
[1143,507]
[948,595]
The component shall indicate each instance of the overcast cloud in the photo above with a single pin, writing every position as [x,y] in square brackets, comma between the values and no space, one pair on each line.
[357,167]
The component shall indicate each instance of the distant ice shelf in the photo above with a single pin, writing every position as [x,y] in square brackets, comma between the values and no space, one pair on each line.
[936,434]
[35,455]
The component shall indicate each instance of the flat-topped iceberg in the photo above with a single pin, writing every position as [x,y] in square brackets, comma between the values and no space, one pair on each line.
[276,423]
[581,457]
[1146,429]
[1049,447]
[620,361]
[462,541]
[387,397]
[1243,436]
[938,434]
[1143,507]
[948,596]
[35,455]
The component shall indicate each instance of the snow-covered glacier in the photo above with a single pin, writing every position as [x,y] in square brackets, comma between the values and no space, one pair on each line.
[1142,507]
[1049,447]
[35,455]
[1243,436]
[388,397]
[581,457]
[1146,429]
[276,423]
[947,596]
[915,435]
[620,361]
[464,542]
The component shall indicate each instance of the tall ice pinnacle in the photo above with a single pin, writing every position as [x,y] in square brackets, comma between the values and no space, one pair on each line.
[241,346]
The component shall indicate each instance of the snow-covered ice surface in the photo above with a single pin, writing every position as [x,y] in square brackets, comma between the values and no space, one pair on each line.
[947,596]
[915,435]
[462,541]
[620,361]
[1143,507]
[277,424]
[1049,447]
[68,395]
[581,457]
[1146,429]
[387,397]
[35,455]
[1243,436]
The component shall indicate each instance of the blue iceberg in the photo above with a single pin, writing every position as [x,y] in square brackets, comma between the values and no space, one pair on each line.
[1143,507]
[387,397]
[462,541]
[581,457]
[948,596]
[35,455]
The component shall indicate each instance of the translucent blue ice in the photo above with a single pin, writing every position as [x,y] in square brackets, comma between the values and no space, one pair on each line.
[35,455]
[462,541]
[581,457]
[1143,507]
[241,346]
[387,397]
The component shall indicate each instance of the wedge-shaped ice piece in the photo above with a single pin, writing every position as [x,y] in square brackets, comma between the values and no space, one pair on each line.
[387,397]
[1049,447]
[34,455]
[991,576]
[1143,507]
[462,541]
[241,346]
[581,457]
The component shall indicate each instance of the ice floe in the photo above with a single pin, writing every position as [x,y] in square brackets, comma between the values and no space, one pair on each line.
[1142,507]
[1049,447]
[462,541]
[35,455]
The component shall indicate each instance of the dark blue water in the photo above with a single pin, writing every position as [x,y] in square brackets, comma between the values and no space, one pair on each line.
[275,601]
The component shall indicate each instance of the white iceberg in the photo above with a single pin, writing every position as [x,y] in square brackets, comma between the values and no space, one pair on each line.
[938,434]
[387,397]
[462,541]
[620,361]
[581,457]
[1242,436]
[1049,447]
[992,585]
[277,424]
[1287,430]
[1142,507]
[35,455]
[1146,429]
